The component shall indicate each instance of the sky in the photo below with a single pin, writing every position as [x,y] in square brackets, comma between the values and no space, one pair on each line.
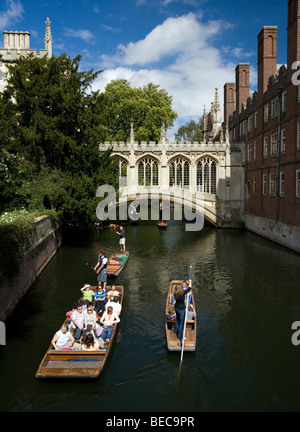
[187,47]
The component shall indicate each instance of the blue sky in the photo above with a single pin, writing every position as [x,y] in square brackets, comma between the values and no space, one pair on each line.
[188,47]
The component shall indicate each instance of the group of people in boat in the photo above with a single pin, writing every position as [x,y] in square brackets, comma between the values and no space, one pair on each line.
[92,320]
[177,307]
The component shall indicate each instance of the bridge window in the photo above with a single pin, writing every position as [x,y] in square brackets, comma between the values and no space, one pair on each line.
[207,176]
[179,172]
[123,172]
[148,172]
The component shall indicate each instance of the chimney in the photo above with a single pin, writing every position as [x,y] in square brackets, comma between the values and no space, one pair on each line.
[229,101]
[242,85]
[293,35]
[266,58]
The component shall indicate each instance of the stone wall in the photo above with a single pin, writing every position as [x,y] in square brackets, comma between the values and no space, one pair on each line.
[47,238]
[278,232]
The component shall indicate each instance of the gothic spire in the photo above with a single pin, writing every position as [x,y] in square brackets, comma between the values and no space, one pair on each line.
[48,39]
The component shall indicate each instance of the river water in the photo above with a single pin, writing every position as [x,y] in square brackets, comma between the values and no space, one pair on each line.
[247,296]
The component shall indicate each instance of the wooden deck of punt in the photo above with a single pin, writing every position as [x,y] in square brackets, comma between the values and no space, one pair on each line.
[115,269]
[77,363]
[173,343]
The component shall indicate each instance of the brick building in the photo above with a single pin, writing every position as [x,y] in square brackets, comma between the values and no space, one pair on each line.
[268,122]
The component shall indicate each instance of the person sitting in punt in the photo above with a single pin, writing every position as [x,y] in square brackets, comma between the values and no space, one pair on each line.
[185,287]
[63,338]
[191,314]
[99,300]
[88,292]
[77,318]
[115,304]
[112,293]
[179,295]
[171,314]
[89,343]
[90,317]
[109,319]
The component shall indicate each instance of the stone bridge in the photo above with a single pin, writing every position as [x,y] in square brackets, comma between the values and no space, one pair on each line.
[212,169]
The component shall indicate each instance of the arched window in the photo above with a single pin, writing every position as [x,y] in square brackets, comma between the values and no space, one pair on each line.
[123,172]
[207,176]
[148,172]
[179,172]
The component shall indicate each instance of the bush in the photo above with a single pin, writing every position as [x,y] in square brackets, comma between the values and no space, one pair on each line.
[16,236]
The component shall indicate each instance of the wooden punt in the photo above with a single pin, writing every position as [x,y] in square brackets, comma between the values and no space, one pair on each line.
[162,225]
[173,343]
[77,363]
[115,269]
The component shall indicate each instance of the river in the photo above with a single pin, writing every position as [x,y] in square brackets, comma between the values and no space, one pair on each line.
[247,296]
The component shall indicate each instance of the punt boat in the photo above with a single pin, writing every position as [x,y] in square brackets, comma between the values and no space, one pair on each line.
[77,363]
[116,263]
[173,343]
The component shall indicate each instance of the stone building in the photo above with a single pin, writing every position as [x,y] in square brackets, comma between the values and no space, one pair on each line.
[17,44]
[268,122]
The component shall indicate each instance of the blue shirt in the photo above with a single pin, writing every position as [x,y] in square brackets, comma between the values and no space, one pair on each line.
[100,296]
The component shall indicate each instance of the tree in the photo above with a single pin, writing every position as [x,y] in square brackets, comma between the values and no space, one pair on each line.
[146,108]
[50,117]
[192,131]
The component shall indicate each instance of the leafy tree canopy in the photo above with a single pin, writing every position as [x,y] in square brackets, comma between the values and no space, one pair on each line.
[147,108]
[191,131]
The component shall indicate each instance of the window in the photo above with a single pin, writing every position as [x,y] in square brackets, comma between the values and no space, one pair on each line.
[272,184]
[282,143]
[254,185]
[298,183]
[122,173]
[298,134]
[274,144]
[250,150]
[281,183]
[255,120]
[250,123]
[274,107]
[264,184]
[254,151]
[148,172]
[207,176]
[179,172]
[266,113]
[283,102]
[265,147]
[241,129]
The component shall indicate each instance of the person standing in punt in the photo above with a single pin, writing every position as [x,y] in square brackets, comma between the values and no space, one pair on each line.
[179,295]
[121,235]
[101,269]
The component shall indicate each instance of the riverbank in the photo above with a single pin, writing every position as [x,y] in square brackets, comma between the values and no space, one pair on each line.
[46,240]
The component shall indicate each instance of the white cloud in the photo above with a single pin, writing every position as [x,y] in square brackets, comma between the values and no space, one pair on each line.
[85,35]
[14,13]
[180,56]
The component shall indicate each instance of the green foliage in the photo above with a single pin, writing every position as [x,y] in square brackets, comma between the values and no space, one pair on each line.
[16,229]
[51,124]
[192,131]
[146,108]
